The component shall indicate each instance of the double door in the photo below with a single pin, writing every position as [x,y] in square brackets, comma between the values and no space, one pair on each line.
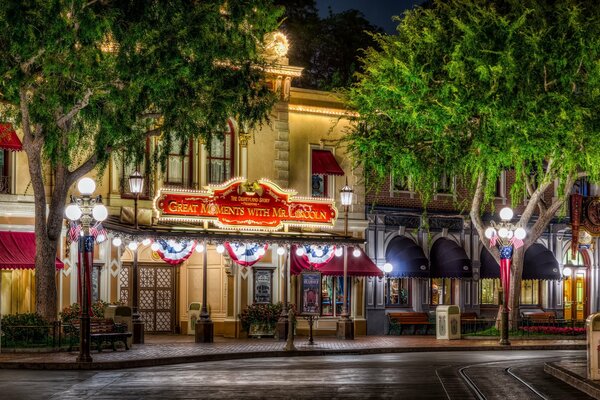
[575,295]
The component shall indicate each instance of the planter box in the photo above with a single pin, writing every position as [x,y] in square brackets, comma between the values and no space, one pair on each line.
[262,330]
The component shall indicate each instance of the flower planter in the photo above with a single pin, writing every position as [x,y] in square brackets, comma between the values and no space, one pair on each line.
[260,330]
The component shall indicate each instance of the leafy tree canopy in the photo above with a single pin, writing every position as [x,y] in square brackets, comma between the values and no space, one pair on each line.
[473,87]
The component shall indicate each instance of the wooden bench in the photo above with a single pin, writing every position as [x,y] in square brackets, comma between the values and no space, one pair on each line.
[540,318]
[416,319]
[105,330]
[468,317]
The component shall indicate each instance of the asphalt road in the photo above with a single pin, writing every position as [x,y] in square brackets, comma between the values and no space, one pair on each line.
[440,375]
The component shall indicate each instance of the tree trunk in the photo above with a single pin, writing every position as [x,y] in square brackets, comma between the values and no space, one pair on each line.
[516,274]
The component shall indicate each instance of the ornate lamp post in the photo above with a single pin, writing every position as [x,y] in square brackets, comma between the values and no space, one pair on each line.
[506,237]
[204,325]
[282,323]
[387,268]
[136,186]
[345,326]
[86,209]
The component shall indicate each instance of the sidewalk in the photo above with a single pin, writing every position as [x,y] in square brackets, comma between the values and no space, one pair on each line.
[177,349]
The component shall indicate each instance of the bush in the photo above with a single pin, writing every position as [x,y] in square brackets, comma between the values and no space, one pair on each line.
[263,314]
[29,327]
[70,313]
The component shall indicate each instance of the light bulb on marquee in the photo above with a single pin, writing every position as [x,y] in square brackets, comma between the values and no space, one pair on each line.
[133,245]
[146,242]
[220,249]
[117,242]
[356,252]
[199,248]
[300,251]
[319,252]
[339,251]
[155,246]
[281,250]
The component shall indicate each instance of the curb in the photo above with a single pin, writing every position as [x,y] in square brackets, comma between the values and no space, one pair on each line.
[152,362]
[580,383]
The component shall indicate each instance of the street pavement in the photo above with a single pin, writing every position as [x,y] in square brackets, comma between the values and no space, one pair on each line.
[175,349]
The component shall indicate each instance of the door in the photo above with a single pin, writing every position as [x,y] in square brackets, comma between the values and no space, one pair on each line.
[157,298]
[575,295]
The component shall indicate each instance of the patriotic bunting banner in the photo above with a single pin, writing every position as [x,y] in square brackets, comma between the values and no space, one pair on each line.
[317,256]
[174,252]
[246,254]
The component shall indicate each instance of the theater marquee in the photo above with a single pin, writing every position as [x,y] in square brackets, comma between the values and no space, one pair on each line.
[239,204]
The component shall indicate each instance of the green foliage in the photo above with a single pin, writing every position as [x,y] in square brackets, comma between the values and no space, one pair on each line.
[263,314]
[72,312]
[472,87]
[29,327]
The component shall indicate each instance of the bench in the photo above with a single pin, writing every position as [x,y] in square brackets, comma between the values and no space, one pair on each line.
[416,319]
[105,330]
[468,317]
[540,318]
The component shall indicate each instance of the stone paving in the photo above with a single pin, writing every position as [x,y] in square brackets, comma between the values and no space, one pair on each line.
[174,349]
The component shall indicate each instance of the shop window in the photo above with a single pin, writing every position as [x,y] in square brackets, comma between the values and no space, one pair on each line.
[4,175]
[179,165]
[332,295]
[441,291]
[530,292]
[488,289]
[397,292]
[220,157]
[263,285]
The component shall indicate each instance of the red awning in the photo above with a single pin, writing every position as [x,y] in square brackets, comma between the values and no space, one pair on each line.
[324,163]
[357,266]
[17,251]
[9,139]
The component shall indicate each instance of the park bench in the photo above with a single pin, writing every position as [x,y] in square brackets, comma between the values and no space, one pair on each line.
[416,319]
[105,331]
[539,318]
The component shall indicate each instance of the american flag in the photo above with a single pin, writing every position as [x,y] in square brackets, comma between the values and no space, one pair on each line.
[74,231]
[98,232]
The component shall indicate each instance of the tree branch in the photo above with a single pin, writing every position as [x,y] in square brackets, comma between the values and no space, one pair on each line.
[80,105]
[27,64]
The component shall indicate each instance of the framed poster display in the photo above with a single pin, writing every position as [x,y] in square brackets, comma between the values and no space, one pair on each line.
[310,293]
[263,285]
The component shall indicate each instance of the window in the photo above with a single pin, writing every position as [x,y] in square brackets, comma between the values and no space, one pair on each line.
[179,165]
[323,165]
[4,176]
[441,291]
[319,186]
[445,184]
[397,292]
[581,186]
[332,295]
[220,157]
[488,290]
[530,290]
[500,190]
[401,184]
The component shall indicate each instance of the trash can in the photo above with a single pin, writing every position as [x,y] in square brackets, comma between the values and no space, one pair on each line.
[447,322]
[121,315]
[592,325]
[193,316]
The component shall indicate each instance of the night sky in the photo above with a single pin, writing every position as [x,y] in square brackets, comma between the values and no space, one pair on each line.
[378,12]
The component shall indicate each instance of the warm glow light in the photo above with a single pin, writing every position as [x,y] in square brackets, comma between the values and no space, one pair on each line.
[339,251]
[387,268]
[281,251]
[86,186]
[199,248]
[73,212]
[136,183]
[99,212]
[117,242]
[132,246]
[567,271]
[503,232]
[520,233]
[100,238]
[220,249]
[506,214]
[319,252]
[146,242]
[300,251]
[346,195]
[356,252]
[490,232]
[155,246]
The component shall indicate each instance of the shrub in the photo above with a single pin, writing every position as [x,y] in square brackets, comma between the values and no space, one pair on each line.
[69,313]
[29,327]
[263,314]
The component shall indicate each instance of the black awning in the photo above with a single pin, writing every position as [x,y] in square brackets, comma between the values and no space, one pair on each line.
[539,264]
[489,268]
[407,259]
[449,260]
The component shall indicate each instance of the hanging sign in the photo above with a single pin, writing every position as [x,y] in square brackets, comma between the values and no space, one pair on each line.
[239,204]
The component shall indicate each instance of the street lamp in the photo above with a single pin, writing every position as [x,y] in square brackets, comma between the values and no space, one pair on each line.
[345,326]
[506,237]
[86,209]
[387,268]
[136,186]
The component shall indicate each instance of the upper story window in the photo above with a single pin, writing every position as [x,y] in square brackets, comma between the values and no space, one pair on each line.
[220,157]
[323,165]
[179,164]
[8,141]
[581,186]
[500,190]
[404,184]
[4,176]
[127,168]
[446,184]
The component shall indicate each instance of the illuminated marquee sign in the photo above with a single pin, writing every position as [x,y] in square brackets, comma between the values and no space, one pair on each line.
[238,204]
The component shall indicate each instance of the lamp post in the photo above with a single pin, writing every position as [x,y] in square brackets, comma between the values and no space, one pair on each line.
[282,322]
[345,326]
[136,185]
[506,237]
[86,209]
[387,268]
